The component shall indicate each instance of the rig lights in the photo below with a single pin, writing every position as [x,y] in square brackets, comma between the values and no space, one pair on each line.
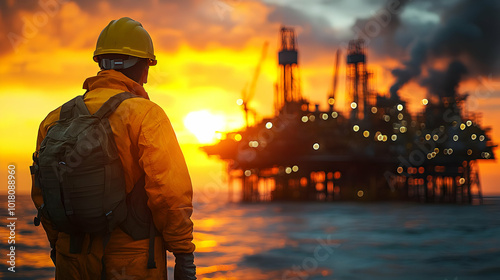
[304,119]
[355,128]
[335,115]
[289,170]
[269,125]
[486,155]
[324,116]
[455,138]
[253,144]
[425,101]
[399,107]
[316,146]
[354,105]
[360,193]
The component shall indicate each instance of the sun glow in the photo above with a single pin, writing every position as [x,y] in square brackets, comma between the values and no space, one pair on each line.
[204,125]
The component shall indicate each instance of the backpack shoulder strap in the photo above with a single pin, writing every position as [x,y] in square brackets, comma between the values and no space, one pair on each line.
[68,108]
[113,102]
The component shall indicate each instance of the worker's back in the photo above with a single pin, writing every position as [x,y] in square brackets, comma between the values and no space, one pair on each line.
[148,150]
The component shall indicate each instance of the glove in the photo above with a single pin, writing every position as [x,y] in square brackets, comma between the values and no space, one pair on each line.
[53,255]
[184,267]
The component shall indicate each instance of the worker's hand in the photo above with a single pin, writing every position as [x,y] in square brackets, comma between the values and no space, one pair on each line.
[184,267]
[53,256]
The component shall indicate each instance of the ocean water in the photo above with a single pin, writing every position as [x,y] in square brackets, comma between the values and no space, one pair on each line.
[312,241]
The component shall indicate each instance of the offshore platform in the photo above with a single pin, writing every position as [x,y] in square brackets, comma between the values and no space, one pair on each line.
[375,151]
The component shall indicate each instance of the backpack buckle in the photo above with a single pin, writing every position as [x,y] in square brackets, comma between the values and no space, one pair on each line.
[34,169]
[36,220]
[108,215]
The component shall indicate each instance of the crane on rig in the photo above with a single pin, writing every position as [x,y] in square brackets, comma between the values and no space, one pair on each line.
[247,95]
[331,97]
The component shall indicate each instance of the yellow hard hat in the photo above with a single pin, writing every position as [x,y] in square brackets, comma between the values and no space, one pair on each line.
[125,36]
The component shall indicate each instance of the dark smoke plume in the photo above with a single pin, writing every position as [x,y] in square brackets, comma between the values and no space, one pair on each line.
[467,34]
[445,83]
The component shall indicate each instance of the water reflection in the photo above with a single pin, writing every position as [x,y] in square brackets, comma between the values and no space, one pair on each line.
[314,241]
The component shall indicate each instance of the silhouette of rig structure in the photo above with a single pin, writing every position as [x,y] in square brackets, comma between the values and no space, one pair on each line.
[376,151]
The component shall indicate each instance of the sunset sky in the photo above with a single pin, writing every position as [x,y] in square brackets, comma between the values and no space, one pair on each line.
[207,51]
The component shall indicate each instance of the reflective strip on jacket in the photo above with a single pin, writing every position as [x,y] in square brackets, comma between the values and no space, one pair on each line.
[146,143]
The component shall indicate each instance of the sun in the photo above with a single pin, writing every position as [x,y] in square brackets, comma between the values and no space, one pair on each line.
[204,125]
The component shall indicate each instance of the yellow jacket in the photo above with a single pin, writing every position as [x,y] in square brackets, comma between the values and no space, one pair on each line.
[147,144]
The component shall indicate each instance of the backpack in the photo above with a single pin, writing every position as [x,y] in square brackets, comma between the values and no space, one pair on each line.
[81,177]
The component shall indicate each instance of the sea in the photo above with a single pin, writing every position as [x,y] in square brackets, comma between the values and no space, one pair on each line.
[309,241]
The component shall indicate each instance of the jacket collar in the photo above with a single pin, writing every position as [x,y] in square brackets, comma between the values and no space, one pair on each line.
[115,80]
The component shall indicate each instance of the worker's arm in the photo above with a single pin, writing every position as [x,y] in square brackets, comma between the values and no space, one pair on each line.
[168,184]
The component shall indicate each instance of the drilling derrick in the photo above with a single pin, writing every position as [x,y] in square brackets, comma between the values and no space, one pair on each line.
[357,80]
[288,94]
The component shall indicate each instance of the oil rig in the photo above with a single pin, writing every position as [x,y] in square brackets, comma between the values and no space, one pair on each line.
[375,151]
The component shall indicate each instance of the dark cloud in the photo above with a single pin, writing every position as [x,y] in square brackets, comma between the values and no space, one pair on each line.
[199,22]
[467,30]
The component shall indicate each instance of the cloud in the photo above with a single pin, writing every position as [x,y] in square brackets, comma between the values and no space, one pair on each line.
[44,26]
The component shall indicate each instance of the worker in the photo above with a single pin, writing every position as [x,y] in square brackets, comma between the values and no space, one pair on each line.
[148,149]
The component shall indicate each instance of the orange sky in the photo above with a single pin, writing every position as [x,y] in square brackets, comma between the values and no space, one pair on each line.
[207,51]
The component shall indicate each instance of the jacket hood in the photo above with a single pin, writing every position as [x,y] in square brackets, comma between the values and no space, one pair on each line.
[115,80]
